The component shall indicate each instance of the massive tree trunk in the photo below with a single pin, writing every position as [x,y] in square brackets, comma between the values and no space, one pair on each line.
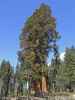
[44,85]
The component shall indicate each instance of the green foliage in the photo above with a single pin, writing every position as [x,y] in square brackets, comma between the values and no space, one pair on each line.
[37,37]
[5,68]
[66,72]
[6,72]
[69,68]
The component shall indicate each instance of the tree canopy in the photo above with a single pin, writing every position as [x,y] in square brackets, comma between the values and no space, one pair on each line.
[38,38]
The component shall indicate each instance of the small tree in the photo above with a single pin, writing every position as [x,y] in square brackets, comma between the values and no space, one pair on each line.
[6,73]
[54,68]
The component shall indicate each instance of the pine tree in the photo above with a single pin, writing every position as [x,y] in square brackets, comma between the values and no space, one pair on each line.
[69,70]
[6,73]
[54,69]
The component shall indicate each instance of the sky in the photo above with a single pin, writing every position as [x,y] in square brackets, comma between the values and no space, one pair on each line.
[13,14]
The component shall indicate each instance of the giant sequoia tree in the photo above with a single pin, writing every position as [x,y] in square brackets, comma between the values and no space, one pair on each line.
[38,37]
